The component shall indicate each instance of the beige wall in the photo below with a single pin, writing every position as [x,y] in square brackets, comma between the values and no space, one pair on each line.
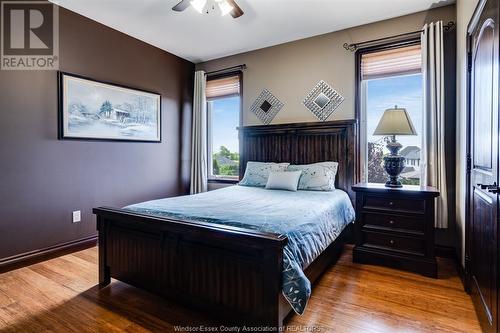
[291,70]
[465,9]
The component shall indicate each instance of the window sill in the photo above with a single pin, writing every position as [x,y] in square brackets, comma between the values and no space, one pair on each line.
[223,181]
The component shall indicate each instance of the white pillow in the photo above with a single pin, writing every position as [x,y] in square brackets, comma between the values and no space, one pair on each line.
[256,173]
[283,180]
[317,176]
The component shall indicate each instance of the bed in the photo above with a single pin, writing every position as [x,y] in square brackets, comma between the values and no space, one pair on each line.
[246,263]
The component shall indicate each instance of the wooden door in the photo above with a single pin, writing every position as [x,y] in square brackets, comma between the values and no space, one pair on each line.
[482,230]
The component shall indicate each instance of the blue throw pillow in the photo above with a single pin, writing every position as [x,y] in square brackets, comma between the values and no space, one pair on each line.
[283,180]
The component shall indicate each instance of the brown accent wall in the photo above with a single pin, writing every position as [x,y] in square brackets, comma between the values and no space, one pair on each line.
[43,179]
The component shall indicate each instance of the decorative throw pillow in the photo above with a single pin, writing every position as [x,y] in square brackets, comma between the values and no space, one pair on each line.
[283,180]
[256,173]
[317,176]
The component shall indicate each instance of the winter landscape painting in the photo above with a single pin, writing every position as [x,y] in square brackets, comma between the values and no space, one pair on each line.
[95,110]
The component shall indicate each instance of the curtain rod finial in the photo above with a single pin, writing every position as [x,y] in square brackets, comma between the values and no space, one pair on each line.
[350,47]
[448,26]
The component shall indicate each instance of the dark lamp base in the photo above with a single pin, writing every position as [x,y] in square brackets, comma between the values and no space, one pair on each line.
[394,164]
[393,184]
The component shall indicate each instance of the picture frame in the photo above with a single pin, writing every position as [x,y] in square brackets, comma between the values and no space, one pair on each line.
[91,109]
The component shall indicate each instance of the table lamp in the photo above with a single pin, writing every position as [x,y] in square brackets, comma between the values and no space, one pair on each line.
[394,122]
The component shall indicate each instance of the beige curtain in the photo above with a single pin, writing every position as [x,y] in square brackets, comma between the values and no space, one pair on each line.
[433,165]
[199,179]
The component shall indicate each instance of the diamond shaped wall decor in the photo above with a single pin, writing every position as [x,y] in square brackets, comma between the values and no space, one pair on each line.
[323,100]
[266,106]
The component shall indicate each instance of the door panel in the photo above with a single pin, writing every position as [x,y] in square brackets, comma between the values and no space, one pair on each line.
[482,243]
[484,274]
[483,102]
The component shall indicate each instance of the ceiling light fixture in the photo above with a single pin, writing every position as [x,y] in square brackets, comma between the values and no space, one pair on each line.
[210,6]
[223,7]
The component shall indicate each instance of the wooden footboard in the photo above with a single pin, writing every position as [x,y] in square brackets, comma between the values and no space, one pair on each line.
[229,272]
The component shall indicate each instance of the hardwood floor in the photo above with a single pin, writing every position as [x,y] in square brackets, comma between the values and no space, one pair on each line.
[60,295]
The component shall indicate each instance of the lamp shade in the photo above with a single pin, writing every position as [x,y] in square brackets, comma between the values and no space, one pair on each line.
[395,122]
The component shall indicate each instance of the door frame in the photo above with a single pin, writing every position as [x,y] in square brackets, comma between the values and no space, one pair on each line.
[468,167]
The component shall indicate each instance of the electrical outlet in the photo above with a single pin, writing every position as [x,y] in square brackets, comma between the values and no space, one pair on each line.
[77,216]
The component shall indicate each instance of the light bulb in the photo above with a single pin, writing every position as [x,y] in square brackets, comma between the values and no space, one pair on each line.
[224,7]
[198,5]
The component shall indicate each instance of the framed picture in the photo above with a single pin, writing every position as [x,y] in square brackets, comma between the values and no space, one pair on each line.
[90,109]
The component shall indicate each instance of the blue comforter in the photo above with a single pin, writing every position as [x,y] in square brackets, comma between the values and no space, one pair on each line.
[310,219]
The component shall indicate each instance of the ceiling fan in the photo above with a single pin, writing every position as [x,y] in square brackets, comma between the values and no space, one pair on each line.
[225,6]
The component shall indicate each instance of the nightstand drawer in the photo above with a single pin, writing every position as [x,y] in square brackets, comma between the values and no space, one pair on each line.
[393,243]
[394,204]
[393,222]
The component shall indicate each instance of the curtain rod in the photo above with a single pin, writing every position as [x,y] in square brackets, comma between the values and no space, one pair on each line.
[226,70]
[355,46]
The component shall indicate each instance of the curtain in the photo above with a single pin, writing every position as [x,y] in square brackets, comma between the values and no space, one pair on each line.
[199,179]
[433,165]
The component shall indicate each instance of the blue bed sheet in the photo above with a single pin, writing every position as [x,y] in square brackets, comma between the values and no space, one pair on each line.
[311,220]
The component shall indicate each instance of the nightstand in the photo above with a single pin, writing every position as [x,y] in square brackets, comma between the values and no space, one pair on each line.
[395,227]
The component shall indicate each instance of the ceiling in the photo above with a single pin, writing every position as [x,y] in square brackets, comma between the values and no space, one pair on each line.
[201,37]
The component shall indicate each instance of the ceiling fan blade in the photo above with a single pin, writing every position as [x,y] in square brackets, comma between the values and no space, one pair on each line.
[237,11]
[182,5]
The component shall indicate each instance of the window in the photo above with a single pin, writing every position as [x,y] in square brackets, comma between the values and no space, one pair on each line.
[223,116]
[390,76]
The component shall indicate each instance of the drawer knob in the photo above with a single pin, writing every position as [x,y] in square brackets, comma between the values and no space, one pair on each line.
[391,222]
[391,203]
[391,242]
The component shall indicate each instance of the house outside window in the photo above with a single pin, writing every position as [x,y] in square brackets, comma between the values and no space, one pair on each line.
[389,76]
[223,117]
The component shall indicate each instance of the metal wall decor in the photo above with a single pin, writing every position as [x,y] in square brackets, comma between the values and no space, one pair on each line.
[266,106]
[323,100]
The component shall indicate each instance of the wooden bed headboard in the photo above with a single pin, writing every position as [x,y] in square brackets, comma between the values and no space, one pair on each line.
[304,143]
